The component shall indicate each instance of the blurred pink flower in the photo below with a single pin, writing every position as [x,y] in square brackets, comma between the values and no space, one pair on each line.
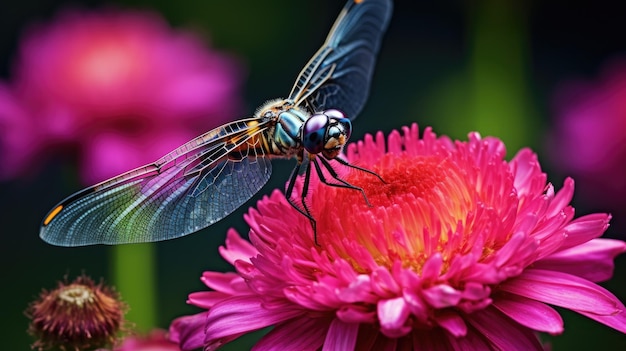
[18,134]
[121,88]
[589,137]
[155,341]
[460,250]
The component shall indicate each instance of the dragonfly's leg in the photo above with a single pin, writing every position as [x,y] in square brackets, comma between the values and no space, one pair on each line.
[346,163]
[305,191]
[289,192]
[335,176]
[292,181]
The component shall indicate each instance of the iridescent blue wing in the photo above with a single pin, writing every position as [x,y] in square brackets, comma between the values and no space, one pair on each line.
[339,74]
[189,189]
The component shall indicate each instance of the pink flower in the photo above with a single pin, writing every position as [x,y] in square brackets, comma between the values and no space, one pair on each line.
[17,148]
[155,341]
[589,139]
[460,250]
[112,84]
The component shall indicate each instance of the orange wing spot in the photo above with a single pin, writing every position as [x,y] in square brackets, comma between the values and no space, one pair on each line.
[358,1]
[234,140]
[253,128]
[52,214]
[253,124]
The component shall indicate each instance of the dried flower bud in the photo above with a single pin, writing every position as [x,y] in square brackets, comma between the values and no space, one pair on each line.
[76,316]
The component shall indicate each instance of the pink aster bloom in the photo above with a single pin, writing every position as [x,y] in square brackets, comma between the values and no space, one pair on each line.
[589,138]
[112,83]
[460,250]
[155,341]
[16,149]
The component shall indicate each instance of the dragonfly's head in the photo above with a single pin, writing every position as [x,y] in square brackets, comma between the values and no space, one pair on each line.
[326,133]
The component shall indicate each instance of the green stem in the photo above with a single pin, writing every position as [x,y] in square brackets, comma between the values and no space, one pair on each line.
[498,71]
[135,278]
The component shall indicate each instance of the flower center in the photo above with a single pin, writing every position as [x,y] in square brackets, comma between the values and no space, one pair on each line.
[78,295]
[105,64]
[427,205]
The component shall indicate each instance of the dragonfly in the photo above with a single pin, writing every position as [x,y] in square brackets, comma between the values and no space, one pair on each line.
[207,178]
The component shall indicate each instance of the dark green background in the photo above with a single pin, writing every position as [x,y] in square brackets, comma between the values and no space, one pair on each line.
[490,66]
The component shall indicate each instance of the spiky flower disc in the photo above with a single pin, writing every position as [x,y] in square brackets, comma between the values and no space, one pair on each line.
[76,316]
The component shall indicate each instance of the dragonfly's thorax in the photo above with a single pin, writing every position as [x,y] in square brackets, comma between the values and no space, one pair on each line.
[284,137]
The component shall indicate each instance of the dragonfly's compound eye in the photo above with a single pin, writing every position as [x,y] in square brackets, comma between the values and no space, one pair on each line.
[334,113]
[313,133]
[337,133]
[344,126]
[347,127]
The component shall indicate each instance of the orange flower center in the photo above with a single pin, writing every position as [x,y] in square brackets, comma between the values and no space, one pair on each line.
[424,207]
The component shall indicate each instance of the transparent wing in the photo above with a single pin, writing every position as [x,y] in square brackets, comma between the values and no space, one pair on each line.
[188,189]
[339,74]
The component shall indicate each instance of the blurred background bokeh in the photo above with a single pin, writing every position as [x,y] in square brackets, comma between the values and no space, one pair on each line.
[550,75]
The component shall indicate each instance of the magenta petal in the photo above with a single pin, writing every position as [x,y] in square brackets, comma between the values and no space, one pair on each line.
[383,283]
[393,314]
[563,290]
[298,334]
[453,323]
[442,296]
[223,282]
[237,248]
[592,260]
[502,332]
[241,314]
[356,314]
[616,321]
[474,291]
[358,290]
[531,314]
[341,336]
[586,228]
[188,331]
[511,249]
[432,267]
[206,299]
[562,198]
[525,169]
[418,307]
[302,297]
[473,341]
